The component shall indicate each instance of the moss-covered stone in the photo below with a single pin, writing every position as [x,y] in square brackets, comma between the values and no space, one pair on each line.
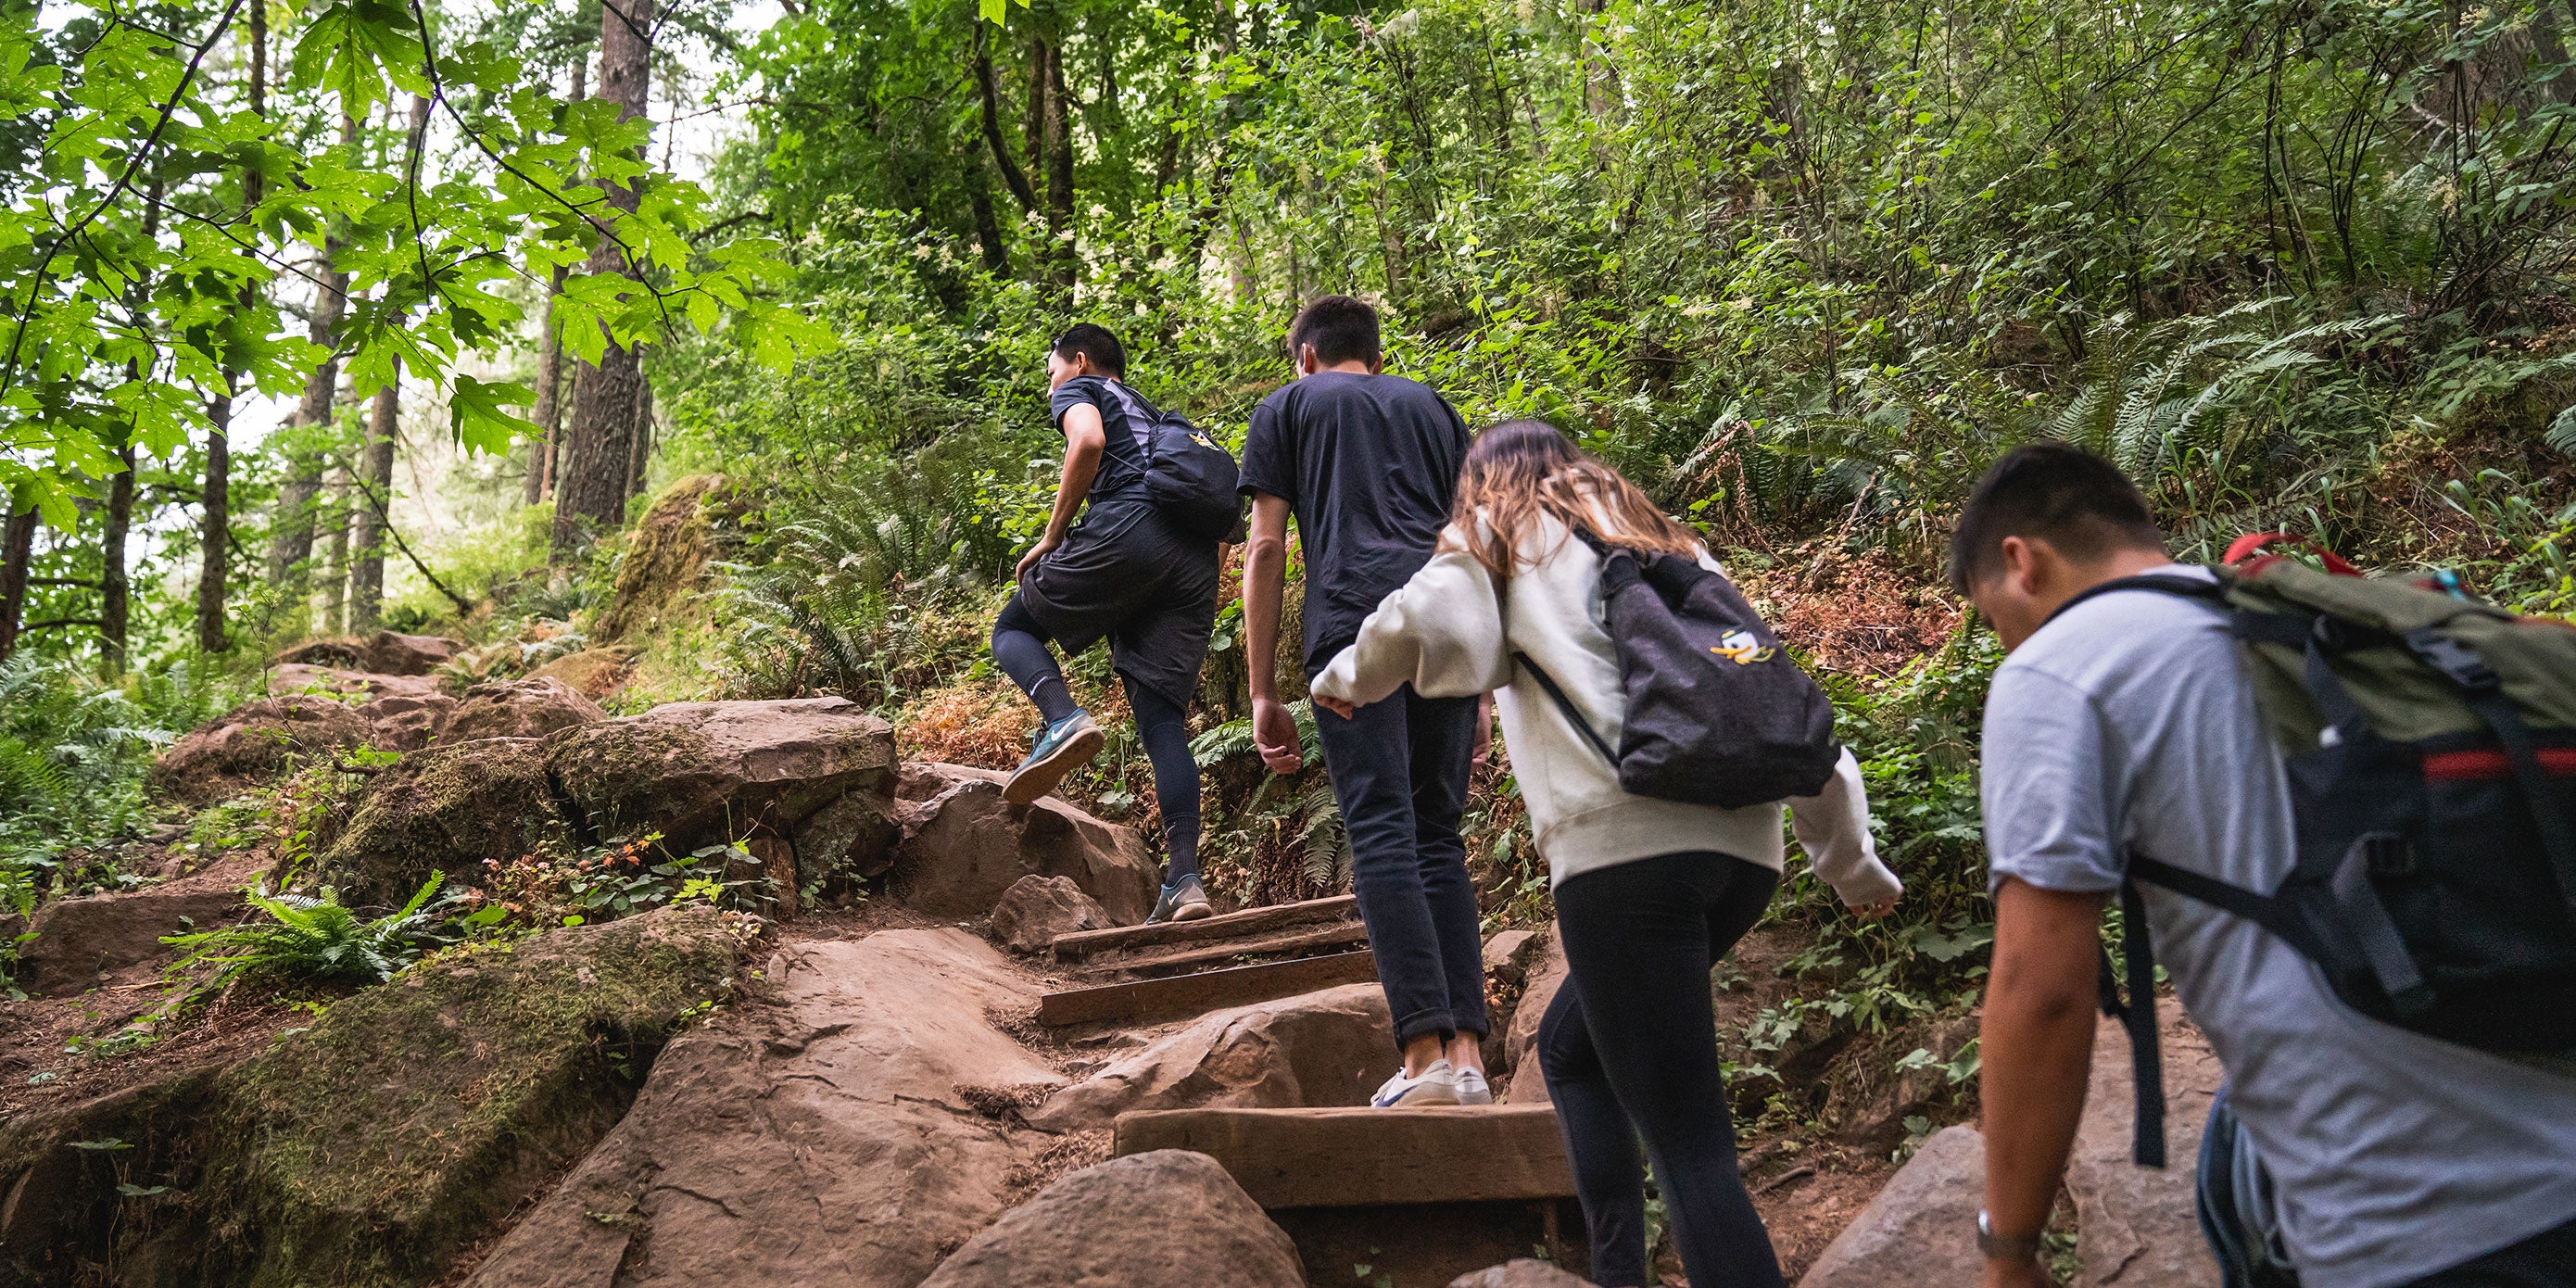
[371,1148]
[447,809]
[701,772]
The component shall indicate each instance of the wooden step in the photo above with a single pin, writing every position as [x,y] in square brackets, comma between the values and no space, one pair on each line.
[1294,939]
[1148,1000]
[1084,943]
[1303,1158]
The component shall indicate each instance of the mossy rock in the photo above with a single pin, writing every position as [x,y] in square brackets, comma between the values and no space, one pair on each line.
[703,772]
[373,1148]
[447,809]
[666,557]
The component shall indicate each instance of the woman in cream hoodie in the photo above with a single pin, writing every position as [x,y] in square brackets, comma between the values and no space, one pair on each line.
[1649,893]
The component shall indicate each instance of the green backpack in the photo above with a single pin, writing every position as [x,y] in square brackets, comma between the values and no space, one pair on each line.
[2430,740]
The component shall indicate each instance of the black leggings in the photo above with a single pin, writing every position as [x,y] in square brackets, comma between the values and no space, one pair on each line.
[1020,649]
[1629,1047]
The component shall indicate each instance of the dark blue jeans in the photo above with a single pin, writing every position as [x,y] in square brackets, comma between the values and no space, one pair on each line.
[1399,769]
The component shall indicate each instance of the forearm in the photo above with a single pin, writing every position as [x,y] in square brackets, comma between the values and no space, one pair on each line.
[1265,578]
[1081,465]
[2036,1048]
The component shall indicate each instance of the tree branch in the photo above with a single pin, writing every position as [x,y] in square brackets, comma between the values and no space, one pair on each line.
[1013,177]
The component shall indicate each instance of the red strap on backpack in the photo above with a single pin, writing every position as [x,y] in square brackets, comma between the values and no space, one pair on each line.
[2252,544]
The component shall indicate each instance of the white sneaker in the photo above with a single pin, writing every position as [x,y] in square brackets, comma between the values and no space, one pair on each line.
[1472,1088]
[1436,1086]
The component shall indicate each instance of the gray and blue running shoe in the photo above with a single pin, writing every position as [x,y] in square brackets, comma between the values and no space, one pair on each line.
[1183,900]
[1062,748]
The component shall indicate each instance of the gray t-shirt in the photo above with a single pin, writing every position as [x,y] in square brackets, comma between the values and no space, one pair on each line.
[2129,723]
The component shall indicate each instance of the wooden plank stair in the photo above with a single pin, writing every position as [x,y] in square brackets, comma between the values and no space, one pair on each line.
[1145,974]
[1146,1001]
[1301,1158]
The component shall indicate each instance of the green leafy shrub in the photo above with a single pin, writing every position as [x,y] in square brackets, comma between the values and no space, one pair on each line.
[309,939]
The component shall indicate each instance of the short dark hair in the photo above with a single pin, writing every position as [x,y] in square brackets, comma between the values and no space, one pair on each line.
[1093,341]
[1342,330]
[2075,501]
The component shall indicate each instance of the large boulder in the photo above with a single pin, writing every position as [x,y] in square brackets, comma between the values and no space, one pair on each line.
[1526,1272]
[1037,909]
[665,564]
[1317,1050]
[704,772]
[1921,1228]
[81,943]
[287,678]
[831,1136]
[1544,974]
[965,846]
[407,721]
[2139,1227]
[252,743]
[1082,1232]
[529,708]
[378,1144]
[384,653]
[448,809]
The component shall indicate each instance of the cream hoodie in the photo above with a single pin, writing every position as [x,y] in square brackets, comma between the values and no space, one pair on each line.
[1452,631]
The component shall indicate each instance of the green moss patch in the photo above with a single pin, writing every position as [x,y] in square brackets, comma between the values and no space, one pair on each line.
[448,810]
[371,1148]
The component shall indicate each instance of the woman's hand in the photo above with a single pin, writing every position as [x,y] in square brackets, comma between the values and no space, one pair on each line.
[1039,551]
[1338,707]
[1874,911]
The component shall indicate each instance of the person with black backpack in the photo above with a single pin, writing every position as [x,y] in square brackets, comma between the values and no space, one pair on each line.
[2336,808]
[1156,499]
[1638,691]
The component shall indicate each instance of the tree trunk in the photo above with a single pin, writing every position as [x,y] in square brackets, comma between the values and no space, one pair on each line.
[643,437]
[17,551]
[215,528]
[290,545]
[335,552]
[549,410]
[215,503]
[1055,148]
[599,449]
[1014,178]
[550,375]
[115,583]
[371,497]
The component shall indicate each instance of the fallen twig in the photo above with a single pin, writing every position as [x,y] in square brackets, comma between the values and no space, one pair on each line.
[1783,1178]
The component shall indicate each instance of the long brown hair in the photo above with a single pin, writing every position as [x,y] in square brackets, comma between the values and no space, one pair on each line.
[1522,469]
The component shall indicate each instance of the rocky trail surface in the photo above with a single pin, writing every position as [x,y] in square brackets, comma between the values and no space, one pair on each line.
[945,1053]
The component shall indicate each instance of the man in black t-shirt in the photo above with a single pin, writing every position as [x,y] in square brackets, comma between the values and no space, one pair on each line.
[1368,463]
[1126,573]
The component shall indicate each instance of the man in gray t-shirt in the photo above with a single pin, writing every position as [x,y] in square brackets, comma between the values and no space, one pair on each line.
[2129,724]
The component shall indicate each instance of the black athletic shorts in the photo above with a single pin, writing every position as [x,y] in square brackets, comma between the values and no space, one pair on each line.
[1124,573]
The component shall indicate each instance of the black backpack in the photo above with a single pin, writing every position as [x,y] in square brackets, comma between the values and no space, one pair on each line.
[1191,479]
[1717,713]
[2430,741]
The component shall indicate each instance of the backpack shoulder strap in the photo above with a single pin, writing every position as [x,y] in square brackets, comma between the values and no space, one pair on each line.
[1564,704]
[2165,582]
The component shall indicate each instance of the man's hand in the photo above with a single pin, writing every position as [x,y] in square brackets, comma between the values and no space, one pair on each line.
[2014,1274]
[1874,911]
[1484,744]
[1041,550]
[1274,732]
[1338,707]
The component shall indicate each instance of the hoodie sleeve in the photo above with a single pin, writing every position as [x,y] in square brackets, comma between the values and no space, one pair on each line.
[1833,827]
[1441,632]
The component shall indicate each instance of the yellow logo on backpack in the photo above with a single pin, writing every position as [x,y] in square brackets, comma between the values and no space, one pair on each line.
[1741,648]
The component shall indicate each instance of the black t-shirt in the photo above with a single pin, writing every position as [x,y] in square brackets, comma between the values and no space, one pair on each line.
[1125,419]
[1369,465]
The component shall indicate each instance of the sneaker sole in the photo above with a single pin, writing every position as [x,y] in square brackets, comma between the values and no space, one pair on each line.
[1421,1098]
[1034,781]
[1193,912]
